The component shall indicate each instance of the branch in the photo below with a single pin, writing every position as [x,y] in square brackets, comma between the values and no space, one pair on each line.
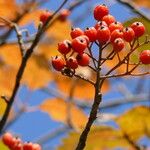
[84,79]
[134,8]
[23,66]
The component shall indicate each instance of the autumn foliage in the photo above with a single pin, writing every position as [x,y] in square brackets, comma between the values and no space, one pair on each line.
[77,73]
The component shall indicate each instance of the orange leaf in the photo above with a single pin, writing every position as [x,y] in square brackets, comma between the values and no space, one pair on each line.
[83,90]
[57,109]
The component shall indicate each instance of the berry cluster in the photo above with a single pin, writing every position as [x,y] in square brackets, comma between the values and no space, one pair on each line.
[106,30]
[15,143]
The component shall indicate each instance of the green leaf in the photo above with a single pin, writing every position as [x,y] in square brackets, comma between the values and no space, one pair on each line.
[3,147]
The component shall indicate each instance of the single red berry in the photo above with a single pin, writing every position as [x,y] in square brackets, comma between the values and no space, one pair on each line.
[115,25]
[76,32]
[100,11]
[86,38]
[118,44]
[27,146]
[79,44]
[36,147]
[64,47]
[7,139]
[58,63]
[91,33]
[109,19]
[100,24]
[103,34]
[72,63]
[128,34]
[17,147]
[44,16]
[116,34]
[83,60]
[138,28]
[145,57]
[64,14]
[16,141]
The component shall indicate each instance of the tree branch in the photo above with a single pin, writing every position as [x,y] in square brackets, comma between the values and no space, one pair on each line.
[23,65]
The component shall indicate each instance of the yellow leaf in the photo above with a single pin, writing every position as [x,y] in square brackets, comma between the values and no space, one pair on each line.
[81,88]
[10,54]
[37,73]
[99,138]
[135,122]
[144,3]
[58,110]
[6,6]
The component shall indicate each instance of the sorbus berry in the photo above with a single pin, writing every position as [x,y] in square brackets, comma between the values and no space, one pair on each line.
[64,14]
[100,24]
[7,139]
[36,147]
[145,57]
[128,34]
[116,34]
[115,25]
[109,19]
[83,60]
[118,44]
[27,146]
[86,38]
[64,47]
[138,28]
[17,146]
[103,34]
[91,33]
[100,11]
[75,32]
[58,63]
[79,44]
[44,16]
[72,63]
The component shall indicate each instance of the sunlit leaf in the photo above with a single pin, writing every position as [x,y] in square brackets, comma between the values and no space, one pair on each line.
[135,122]
[58,110]
[140,3]
[99,138]
[3,147]
[83,90]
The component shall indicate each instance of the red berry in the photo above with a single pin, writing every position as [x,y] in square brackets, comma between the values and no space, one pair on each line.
[64,14]
[86,38]
[36,147]
[44,16]
[58,63]
[83,60]
[118,44]
[17,147]
[91,33]
[100,24]
[76,32]
[15,143]
[64,47]
[128,34]
[7,139]
[116,34]
[28,146]
[100,11]
[145,57]
[115,25]
[79,44]
[72,63]
[103,34]
[138,28]
[109,19]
